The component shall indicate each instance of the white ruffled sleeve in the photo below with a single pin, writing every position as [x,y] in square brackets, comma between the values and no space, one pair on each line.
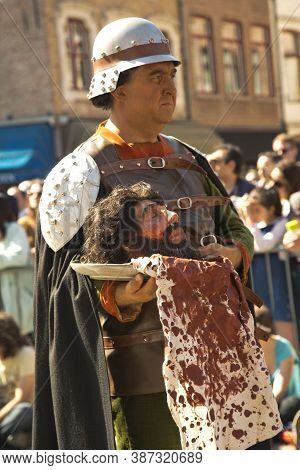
[70,189]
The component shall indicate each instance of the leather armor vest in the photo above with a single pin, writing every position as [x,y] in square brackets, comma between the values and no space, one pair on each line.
[137,369]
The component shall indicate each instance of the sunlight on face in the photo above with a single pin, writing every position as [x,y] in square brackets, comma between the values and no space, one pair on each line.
[154,218]
[150,95]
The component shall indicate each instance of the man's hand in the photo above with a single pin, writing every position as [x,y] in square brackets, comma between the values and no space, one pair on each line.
[135,291]
[233,253]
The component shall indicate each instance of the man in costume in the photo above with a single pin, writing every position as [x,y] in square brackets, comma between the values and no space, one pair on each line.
[134,78]
[217,383]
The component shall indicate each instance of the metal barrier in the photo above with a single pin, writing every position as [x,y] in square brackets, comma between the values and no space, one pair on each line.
[284,256]
[287,287]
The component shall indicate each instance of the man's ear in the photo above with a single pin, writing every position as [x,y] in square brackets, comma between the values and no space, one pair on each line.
[125,248]
[119,94]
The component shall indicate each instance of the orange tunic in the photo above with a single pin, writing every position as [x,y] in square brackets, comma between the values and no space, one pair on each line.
[127,151]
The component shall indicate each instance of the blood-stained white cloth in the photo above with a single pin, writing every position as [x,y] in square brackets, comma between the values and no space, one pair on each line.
[217,382]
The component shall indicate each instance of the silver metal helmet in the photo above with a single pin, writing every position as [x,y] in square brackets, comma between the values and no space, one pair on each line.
[122,45]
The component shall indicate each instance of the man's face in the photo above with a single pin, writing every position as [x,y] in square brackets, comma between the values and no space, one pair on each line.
[218,164]
[258,213]
[287,150]
[34,195]
[264,166]
[281,183]
[157,223]
[150,95]
[159,232]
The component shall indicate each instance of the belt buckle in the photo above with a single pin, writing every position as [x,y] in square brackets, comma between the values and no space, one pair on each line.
[213,237]
[186,198]
[151,161]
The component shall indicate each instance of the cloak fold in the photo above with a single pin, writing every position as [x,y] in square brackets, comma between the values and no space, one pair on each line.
[72,408]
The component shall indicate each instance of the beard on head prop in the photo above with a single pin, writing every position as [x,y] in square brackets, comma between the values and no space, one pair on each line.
[132,222]
[145,246]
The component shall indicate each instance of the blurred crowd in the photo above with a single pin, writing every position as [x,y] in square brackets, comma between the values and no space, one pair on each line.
[268,201]
[18,211]
[267,198]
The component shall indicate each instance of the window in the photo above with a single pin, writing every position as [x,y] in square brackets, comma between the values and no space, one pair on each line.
[78,55]
[261,61]
[291,48]
[233,61]
[203,55]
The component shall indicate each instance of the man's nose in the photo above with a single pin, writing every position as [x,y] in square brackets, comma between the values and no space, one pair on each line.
[169,85]
[171,216]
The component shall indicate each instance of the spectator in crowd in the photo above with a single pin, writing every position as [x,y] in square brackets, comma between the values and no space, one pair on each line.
[251,175]
[277,142]
[283,364]
[291,239]
[287,147]
[295,205]
[20,197]
[286,178]
[291,242]
[16,383]
[227,162]
[264,165]
[16,277]
[24,186]
[28,222]
[263,216]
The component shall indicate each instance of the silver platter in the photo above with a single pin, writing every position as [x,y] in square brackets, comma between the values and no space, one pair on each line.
[105,272]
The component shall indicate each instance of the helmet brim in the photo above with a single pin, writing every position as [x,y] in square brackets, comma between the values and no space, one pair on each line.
[122,67]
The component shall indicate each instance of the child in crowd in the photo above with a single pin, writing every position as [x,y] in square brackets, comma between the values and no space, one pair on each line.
[263,217]
[16,384]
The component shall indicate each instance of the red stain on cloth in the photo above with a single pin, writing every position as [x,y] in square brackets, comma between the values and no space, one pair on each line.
[216,378]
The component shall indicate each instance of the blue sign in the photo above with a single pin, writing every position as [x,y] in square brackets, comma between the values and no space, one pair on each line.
[26,152]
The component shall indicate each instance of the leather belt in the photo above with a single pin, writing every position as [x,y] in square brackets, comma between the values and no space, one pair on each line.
[131,53]
[123,341]
[185,162]
[187,202]
[261,334]
[252,297]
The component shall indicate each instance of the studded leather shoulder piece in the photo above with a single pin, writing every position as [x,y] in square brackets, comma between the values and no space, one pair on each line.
[70,189]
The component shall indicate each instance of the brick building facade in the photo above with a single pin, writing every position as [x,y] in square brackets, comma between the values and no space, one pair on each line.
[45,67]
[288,28]
[240,93]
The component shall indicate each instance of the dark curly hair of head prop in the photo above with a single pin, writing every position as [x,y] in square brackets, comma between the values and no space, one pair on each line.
[110,224]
